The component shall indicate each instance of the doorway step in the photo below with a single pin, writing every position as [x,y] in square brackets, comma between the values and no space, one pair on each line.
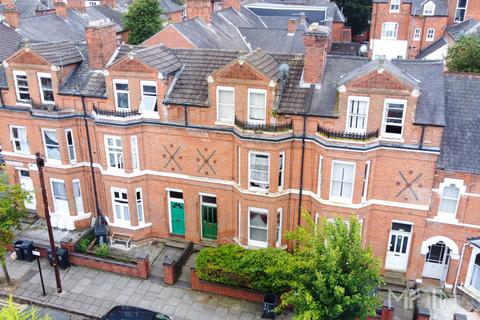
[395,281]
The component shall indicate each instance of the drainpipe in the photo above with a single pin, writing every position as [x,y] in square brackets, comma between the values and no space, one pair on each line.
[374,28]
[1,97]
[308,102]
[422,135]
[186,115]
[92,171]
[459,268]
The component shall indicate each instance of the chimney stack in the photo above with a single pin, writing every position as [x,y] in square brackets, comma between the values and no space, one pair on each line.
[292,26]
[76,4]
[316,41]
[61,9]
[12,17]
[231,3]
[101,43]
[199,8]
[111,3]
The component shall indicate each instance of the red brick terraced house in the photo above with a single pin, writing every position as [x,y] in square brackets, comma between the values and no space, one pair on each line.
[227,146]
[404,28]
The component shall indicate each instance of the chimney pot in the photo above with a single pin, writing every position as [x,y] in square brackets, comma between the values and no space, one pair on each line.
[316,42]
[101,43]
[199,8]
[76,4]
[292,26]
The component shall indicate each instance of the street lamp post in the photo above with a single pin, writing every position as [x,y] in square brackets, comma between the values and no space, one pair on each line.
[40,165]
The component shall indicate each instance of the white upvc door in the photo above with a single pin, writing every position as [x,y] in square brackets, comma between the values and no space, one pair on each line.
[437,261]
[398,247]
[27,185]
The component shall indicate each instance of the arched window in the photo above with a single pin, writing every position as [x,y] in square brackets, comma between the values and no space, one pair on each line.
[475,279]
[449,200]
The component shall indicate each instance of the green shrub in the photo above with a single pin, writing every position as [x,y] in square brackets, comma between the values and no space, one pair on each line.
[262,269]
[102,251]
[83,244]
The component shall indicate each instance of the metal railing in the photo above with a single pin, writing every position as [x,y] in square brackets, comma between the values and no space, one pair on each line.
[274,127]
[44,106]
[115,113]
[347,135]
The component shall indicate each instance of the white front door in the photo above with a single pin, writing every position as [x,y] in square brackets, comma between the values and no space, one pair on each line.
[398,247]
[27,185]
[437,261]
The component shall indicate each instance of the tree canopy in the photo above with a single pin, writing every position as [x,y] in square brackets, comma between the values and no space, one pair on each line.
[357,12]
[465,55]
[334,276]
[143,20]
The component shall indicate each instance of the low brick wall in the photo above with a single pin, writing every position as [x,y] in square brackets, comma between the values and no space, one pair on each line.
[172,269]
[387,314]
[224,290]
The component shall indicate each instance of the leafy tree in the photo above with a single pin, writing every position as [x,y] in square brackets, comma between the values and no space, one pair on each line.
[465,55]
[11,312]
[143,20]
[357,13]
[12,210]
[334,276]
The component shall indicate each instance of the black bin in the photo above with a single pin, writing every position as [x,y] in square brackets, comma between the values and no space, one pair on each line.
[27,248]
[50,257]
[63,261]
[17,245]
[269,303]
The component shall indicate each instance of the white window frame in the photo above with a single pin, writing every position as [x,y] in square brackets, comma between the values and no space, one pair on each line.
[78,199]
[46,149]
[230,89]
[258,91]
[337,198]
[417,34]
[384,123]
[256,243]
[278,233]
[281,170]
[17,91]
[121,221]
[447,182]
[360,99]
[115,91]
[250,180]
[54,199]
[461,8]
[471,265]
[72,154]
[430,36]
[395,5]
[366,179]
[107,152]
[41,75]
[319,181]
[384,31]
[134,153]
[139,204]
[149,114]
[21,142]
[429,9]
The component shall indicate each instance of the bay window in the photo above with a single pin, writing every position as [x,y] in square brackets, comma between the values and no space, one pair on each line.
[46,87]
[114,152]
[134,150]
[18,136]
[77,193]
[259,170]
[393,118]
[343,174]
[257,106]
[52,147]
[60,199]
[122,95]
[21,86]
[357,114]
[226,104]
[278,241]
[139,205]
[258,227]
[120,206]
[70,145]
[281,170]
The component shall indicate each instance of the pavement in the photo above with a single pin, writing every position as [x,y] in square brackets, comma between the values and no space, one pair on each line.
[92,293]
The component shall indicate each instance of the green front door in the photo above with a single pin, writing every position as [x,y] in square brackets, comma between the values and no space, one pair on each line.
[177,214]
[209,222]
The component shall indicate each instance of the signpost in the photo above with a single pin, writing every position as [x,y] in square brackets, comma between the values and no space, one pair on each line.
[36,253]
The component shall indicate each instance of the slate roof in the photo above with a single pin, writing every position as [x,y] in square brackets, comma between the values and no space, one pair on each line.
[244,18]
[170,6]
[51,28]
[441,6]
[348,49]
[159,57]
[264,62]
[3,78]
[58,53]
[458,30]
[10,40]
[274,40]
[432,48]
[460,149]
[28,8]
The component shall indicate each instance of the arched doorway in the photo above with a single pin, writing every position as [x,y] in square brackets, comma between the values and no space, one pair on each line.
[437,261]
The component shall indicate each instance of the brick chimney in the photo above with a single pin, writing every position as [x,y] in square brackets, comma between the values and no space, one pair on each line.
[231,3]
[12,17]
[61,9]
[316,41]
[199,8]
[101,43]
[111,3]
[292,26]
[76,4]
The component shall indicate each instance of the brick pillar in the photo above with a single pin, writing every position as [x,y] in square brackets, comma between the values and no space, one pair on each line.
[76,4]
[387,313]
[143,265]
[316,41]
[235,4]
[199,8]
[169,271]
[67,244]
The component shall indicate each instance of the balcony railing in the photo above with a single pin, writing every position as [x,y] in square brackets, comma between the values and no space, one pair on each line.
[274,127]
[347,135]
[115,113]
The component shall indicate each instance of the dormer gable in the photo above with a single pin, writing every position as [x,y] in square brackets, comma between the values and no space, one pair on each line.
[428,8]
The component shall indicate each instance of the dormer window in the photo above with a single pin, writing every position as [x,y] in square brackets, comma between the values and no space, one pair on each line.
[122,95]
[21,86]
[393,118]
[226,104]
[394,5]
[46,87]
[357,114]
[429,9]
[148,105]
[257,106]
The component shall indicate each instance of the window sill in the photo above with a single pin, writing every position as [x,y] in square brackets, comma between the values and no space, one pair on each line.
[392,138]
[225,123]
[340,200]
[446,218]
